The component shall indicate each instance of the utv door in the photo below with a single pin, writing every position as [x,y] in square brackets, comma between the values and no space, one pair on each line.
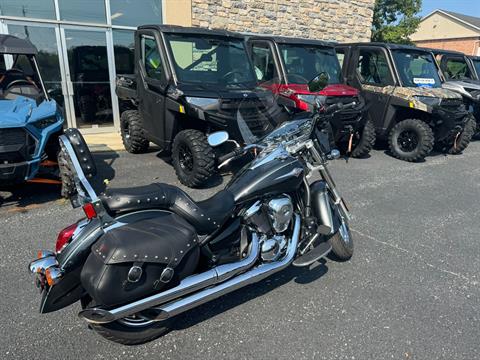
[267,66]
[371,71]
[152,85]
[456,67]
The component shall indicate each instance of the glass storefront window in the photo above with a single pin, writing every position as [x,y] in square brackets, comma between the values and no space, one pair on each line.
[88,64]
[43,9]
[87,11]
[124,47]
[46,42]
[135,13]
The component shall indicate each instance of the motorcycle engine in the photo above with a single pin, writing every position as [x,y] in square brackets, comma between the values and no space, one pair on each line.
[271,219]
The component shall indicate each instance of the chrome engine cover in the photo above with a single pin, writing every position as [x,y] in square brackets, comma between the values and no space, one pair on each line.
[280,213]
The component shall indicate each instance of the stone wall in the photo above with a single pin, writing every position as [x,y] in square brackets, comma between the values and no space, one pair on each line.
[347,20]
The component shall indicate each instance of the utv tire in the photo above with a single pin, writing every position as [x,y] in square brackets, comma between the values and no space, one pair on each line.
[88,108]
[342,243]
[464,138]
[411,140]
[133,134]
[66,176]
[366,142]
[193,158]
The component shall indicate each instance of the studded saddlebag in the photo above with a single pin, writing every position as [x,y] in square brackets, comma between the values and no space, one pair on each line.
[139,259]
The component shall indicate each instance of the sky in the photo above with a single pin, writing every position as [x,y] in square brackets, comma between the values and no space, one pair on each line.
[466,7]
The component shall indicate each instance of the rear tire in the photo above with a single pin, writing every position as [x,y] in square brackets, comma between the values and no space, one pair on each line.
[411,140]
[66,176]
[342,243]
[133,134]
[193,158]
[464,138]
[366,142]
[130,331]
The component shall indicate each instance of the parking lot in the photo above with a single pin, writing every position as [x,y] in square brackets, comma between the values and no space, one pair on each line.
[411,290]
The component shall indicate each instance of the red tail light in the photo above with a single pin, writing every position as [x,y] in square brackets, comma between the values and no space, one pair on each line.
[89,211]
[64,237]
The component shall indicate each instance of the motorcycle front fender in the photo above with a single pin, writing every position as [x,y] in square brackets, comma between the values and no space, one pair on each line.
[324,208]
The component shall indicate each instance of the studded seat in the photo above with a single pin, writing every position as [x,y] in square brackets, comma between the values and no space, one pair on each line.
[205,216]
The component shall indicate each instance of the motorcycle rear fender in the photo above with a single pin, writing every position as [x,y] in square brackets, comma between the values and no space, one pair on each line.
[324,207]
[73,257]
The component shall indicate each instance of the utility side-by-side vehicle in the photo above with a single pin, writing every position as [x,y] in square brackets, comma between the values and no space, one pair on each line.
[460,76]
[285,65]
[189,82]
[407,103]
[30,121]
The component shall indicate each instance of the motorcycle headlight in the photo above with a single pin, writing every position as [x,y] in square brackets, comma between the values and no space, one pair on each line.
[43,123]
[428,100]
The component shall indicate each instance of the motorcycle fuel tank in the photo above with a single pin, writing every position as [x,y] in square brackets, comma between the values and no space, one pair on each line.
[275,173]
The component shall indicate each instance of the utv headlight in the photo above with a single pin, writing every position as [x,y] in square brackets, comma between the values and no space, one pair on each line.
[43,123]
[204,103]
[308,98]
[428,100]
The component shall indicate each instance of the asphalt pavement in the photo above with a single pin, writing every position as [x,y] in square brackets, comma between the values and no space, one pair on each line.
[411,291]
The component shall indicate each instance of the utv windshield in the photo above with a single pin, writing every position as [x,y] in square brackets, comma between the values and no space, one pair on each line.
[476,64]
[211,61]
[416,69]
[303,63]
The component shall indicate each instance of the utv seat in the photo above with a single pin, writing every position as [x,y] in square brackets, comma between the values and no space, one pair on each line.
[205,216]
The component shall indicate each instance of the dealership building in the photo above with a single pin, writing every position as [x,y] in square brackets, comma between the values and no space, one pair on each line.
[83,44]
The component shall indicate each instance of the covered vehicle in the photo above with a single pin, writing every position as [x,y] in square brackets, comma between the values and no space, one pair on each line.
[189,82]
[461,76]
[407,103]
[30,121]
[286,65]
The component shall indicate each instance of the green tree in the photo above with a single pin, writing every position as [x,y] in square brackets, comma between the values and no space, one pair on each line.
[395,20]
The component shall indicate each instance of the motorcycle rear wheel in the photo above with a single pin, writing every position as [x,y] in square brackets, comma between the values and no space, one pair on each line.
[133,330]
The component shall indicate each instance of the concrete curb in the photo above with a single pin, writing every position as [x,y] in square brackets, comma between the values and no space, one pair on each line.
[104,142]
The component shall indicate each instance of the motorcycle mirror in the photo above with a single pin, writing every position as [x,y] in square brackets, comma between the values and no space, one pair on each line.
[318,82]
[334,154]
[217,138]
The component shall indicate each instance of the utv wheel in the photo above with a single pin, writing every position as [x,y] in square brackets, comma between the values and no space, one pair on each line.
[411,140]
[464,138]
[342,243]
[66,176]
[133,135]
[193,158]
[366,141]
[88,108]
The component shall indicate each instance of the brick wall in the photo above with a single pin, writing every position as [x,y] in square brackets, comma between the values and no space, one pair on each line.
[468,46]
[340,20]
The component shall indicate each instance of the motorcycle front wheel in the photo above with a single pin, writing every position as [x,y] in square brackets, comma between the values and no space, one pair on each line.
[342,243]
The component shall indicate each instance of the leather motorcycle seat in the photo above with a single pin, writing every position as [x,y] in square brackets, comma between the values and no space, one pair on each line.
[205,216]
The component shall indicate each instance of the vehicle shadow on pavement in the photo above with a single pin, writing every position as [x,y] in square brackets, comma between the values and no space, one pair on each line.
[105,171]
[301,276]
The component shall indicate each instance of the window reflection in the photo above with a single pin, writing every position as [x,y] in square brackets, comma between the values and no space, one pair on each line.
[123,42]
[89,11]
[135,13]
[43,9]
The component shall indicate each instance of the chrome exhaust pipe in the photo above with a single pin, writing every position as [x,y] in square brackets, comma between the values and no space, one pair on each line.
[187,286]
[259,273]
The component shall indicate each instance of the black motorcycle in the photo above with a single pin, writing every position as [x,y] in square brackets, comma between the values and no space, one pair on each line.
[145,254]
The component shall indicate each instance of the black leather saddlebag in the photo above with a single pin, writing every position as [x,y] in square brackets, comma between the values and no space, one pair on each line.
[140,259]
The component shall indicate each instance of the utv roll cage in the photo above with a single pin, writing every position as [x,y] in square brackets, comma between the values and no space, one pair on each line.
[11,45]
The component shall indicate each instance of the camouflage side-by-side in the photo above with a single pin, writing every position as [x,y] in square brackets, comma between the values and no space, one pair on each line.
[408,94]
